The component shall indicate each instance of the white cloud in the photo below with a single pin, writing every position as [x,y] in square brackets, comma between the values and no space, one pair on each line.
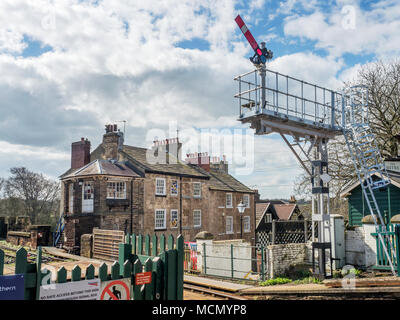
[375,31]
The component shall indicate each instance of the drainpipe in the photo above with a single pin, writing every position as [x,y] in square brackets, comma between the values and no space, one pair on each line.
[131,227]
[180,205]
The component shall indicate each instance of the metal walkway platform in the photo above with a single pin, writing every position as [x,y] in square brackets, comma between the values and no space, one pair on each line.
[273,102]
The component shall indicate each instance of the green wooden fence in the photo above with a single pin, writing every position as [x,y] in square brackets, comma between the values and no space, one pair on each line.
[165,263]
[145,249]
[392,235]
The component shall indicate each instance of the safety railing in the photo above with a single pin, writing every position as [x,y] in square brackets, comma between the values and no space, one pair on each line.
[286,96]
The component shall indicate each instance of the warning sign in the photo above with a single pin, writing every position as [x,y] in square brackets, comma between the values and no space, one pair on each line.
[75,290]
[116,289]
[143,278]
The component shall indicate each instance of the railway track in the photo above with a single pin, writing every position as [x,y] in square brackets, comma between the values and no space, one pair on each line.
[31,255]
[212,292]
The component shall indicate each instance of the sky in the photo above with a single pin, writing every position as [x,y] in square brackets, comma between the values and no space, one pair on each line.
[69,67]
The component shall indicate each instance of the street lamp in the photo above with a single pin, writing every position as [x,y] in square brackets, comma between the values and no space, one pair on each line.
[241,206]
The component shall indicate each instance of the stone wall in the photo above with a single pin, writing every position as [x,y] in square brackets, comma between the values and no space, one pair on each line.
[87,245]
[282,256]
[355,247]
[361,246]
[21,238]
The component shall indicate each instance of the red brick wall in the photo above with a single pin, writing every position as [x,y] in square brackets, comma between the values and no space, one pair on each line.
[80,154]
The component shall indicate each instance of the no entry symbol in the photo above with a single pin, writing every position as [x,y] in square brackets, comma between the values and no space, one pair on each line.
[115,290]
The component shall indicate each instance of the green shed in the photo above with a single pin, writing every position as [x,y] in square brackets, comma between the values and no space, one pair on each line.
[388,200]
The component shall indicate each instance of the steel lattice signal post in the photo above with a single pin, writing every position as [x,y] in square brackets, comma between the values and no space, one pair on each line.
[312,115]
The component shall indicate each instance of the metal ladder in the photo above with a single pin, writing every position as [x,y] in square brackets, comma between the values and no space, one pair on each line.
[59,231]
[367,160]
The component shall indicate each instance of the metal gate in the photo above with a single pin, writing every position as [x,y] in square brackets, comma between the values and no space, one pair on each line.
[392,240]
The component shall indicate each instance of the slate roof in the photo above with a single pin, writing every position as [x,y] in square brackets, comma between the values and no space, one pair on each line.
[101,167]
[220,180]
[139,158]
[137,163]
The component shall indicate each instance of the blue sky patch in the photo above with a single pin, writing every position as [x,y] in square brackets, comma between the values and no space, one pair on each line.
[195,43]
[34,48]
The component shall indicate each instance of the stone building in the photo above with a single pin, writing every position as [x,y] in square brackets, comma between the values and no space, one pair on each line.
[139,190]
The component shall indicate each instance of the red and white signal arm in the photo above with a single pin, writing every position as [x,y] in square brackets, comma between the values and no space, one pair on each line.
[116,289]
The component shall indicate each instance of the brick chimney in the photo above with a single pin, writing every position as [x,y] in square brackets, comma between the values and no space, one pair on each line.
[218,164]
[169,146]
[80,153]
[201,159]
[113,141]
[292,199]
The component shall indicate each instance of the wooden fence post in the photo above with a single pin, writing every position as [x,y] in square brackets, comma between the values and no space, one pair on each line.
[147,245]
[180,247]
[140,245]
[89,272]
[133,242]
[154,245]
[158,281]
[76,273]
[124,253]
[137,292]
[149,288]
[164,258]
[172,274]
[162,243]
[62,275]
[103,273]
[115,271]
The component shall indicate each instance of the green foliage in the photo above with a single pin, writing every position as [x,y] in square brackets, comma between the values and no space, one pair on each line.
[272,282]
[307,280]
[354,271]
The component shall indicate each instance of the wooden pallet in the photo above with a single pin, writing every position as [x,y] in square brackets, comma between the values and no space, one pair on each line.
[106,243]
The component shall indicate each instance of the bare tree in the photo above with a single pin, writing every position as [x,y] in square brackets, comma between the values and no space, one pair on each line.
[383,82]
[39,194]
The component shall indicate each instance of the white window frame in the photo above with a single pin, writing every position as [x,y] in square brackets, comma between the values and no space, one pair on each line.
[164,187]
[117,194]
[194,190]
[246,196]
[229,218]
[71,198]
[226,200]
[177,218]
[164,222]
[87,204]
[177,187]
[246,224]
[194,219]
